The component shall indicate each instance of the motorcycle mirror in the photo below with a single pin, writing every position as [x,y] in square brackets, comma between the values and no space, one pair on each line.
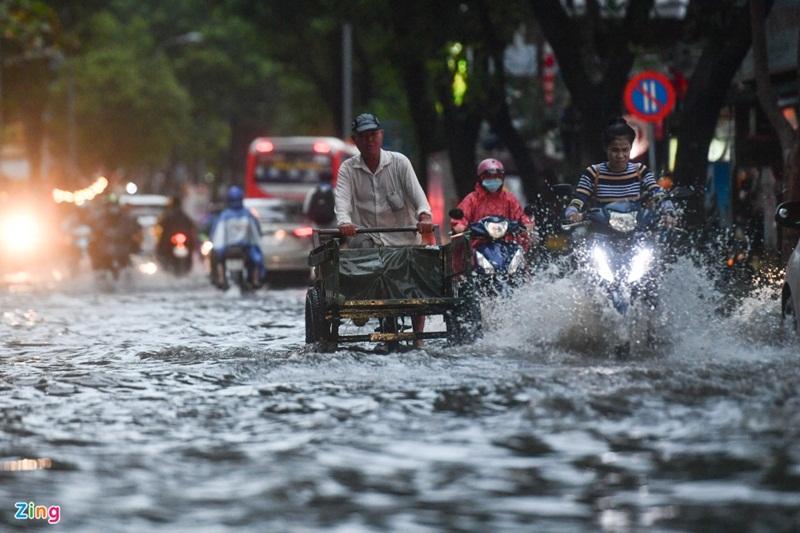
[456,213]
[788,215]
[562,189]
[681,192]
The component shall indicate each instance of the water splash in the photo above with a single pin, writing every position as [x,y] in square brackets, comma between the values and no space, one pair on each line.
[563,312]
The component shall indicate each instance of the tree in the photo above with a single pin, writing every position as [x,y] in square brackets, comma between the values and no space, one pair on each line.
[725,30]
[595,53]
[788,137]
[30,29]
[130,105]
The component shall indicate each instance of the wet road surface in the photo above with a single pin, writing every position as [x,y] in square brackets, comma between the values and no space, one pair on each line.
[168,406]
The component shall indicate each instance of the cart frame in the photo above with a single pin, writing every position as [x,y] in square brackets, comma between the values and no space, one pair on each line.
[327,307]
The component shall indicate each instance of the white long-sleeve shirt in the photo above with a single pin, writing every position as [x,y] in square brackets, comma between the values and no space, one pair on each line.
[392,196]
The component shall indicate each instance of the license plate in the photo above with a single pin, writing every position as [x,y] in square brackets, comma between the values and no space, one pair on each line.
[234,264]
[180,251]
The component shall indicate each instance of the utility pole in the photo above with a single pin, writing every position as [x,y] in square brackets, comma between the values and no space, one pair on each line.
[347,78]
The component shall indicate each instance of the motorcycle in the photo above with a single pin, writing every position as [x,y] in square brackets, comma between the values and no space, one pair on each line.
[110,255]
[234,269]
[175,255]
[498,257]
[733,273]
[625,248]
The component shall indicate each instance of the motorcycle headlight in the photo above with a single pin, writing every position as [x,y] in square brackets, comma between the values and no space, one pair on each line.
[622,222]
[496,230]
[206,247]
[484,263]
[601,264]
[516,262]
[640,264]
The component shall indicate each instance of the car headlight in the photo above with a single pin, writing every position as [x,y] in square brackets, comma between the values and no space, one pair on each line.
[20,233]
[516,261]
[640,264]
[622,222]
[601,264]
[484,263]
[496,230]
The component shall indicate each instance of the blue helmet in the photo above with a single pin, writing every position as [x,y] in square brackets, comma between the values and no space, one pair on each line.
[235,196]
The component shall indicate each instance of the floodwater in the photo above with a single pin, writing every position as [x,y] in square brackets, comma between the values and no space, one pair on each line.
[164,405]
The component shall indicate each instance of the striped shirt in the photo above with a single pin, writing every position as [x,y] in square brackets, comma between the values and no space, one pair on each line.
[605,185]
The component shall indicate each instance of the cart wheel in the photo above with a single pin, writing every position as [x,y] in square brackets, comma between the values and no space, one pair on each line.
[464,321]
[318,329]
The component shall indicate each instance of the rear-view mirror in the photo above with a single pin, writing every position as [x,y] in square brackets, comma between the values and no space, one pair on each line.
[681,192]
[788,215]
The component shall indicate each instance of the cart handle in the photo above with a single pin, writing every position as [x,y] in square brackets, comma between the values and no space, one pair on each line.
[371,230]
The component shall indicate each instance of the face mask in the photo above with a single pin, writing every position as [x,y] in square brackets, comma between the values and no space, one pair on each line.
[492,184]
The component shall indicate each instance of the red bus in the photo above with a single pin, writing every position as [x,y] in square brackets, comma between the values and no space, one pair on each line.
[289,167]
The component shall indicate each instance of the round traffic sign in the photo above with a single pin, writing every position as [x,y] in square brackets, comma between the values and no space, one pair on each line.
[649,96]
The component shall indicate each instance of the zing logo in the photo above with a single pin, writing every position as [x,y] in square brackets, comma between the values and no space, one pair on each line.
[29,511]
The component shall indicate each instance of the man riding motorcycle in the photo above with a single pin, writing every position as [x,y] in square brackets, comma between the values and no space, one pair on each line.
[115,235]
[175,223]
[489,198]
[237,227]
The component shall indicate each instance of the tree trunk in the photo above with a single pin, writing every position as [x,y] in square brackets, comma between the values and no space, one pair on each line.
[595,58]
[766,94]
[463,126]
[769,103]
[707,93]
[423,114]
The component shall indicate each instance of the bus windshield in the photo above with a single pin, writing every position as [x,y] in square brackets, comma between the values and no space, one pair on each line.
[292,167]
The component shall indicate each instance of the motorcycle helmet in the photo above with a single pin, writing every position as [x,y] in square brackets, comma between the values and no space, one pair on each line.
[235,196]
[491,174]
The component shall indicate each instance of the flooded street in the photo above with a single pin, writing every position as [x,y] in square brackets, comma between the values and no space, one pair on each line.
[169,406]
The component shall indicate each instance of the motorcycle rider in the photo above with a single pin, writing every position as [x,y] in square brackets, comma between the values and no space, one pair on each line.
[173,221]
[617,179]
[113,230]
[489,198]
[319,203]
[236,226]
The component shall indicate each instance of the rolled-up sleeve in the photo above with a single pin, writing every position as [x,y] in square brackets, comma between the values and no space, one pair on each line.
[343,198]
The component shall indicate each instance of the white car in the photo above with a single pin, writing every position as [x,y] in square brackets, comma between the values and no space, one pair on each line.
[788,215]
[286,235]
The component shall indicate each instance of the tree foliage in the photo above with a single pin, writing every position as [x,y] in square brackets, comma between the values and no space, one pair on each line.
[149,96]
[130,104]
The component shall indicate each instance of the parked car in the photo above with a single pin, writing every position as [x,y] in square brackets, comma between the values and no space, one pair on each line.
[286,235]
[788,215]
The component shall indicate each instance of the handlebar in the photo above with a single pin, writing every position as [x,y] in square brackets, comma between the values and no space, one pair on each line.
[567,225]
